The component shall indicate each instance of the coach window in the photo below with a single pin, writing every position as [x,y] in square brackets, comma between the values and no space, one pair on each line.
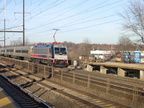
[11,50]
[18,51]
[24,51]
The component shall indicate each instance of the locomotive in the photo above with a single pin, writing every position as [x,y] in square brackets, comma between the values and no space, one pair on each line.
[54,54]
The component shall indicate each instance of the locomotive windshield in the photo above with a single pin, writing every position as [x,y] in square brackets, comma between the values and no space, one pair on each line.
[60,51]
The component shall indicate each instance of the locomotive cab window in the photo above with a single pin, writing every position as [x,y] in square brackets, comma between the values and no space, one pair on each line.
[60,51]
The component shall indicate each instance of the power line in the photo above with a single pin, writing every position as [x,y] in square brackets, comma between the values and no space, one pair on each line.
[72,24]
[65,18]
[69,25]
[92,25]
[80,3]
[87,26]
[67,13]
[68,17]
[52,5]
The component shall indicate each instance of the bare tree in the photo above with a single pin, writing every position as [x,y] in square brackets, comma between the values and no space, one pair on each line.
[19,42]
[134,19]
[125,44]
[85,47]
[75,50]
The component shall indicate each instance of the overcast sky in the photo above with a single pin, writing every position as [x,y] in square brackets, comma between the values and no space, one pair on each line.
[77,20]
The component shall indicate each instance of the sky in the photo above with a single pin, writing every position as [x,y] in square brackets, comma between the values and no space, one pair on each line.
[97,21]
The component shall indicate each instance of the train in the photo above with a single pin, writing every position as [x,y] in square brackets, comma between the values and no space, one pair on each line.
[130,57]
[120,56]
[54,54]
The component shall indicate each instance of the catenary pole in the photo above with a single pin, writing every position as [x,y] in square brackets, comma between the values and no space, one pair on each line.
[4,23]
[23,22]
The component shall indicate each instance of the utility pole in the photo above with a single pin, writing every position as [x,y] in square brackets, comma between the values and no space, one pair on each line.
[23,22]
[4,23]
[55,34]
[23,31]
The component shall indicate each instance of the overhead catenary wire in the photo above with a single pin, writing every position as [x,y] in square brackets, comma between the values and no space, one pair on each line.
[73,24]
[80,23]
[52,5]
[43,11]
[93,25]
[99,24]
[64,14]
[52,22]
[68,17]
[11,13]
[65,18]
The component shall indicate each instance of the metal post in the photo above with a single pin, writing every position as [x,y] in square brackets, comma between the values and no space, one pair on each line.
[28,65]
[20,64]
[4,23]
[61,75]
[52,72]
[4,32]
[88,81]
[32,67]
[135,95]
[108,86]
[74,77]
[23,22]
[37,68]
[44,71]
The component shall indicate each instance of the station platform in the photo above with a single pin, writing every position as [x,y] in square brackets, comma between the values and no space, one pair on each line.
[135,69]
[6,101]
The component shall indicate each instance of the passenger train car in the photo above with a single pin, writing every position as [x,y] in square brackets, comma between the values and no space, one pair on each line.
[55,54]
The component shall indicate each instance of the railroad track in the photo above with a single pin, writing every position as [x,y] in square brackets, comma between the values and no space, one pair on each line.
[75,95]
[88,97]
[21,96]
[125,91]
[130,91]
